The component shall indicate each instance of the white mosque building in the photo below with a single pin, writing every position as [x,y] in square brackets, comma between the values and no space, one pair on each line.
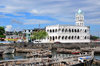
[78,33]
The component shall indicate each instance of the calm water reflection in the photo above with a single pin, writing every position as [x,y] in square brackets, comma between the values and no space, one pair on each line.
[23,56]
[13,56]
[97,57]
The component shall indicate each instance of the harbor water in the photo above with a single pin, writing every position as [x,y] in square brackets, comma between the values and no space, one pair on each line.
[23,56]
[13,56]
[97,57]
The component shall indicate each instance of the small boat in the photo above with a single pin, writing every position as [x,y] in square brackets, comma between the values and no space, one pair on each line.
[9,51]
[75,52]
[1,52]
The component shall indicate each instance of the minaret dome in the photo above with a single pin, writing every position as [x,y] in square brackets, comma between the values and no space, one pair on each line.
[79,18]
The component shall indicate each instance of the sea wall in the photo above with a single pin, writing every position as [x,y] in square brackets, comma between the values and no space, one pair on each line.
[52,45]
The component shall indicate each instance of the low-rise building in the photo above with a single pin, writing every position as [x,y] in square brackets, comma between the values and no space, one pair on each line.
[28,33]
[13,35]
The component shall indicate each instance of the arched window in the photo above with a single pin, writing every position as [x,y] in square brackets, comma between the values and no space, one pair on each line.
[72,30]
[85,31]
[77,30]
[62,37]
[69,30]
[59,37]
[53,30]
[85,37]
[59,29]
[55,37]
[50,38]
[50,30]
[78,37]
[66,37]
[65,30]
[62,30]
[72,37]
[75,37]
[69,37]
[47,30]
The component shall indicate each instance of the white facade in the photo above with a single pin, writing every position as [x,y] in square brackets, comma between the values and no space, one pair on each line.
[27,33]
[69,34]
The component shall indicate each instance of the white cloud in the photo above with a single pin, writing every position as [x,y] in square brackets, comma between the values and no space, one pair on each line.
[8,28]
[34,11]
[36,21]
[16,21]
[93,21]
[58,9]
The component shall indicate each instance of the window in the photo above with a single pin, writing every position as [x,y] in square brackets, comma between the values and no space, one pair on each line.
[85,37]
[62,37]
[50,38]
[72,30]
[77,30]
[65,30]
[78,37]
[62,30]
[59,37]
[85,31]
[59,29]
[75,37]
[47,30]
[55,30]
[53,38]
[66,37]
[29,30]
[56,37]
[72,37]
[69,30]
[50,30]
[69,37]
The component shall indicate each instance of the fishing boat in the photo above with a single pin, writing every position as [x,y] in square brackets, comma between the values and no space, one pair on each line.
[9,51]
[1,52]
[75,52]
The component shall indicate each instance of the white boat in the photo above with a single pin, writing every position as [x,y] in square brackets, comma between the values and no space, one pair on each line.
[9,51]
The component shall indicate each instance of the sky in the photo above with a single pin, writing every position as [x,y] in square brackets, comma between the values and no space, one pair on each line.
[28,14]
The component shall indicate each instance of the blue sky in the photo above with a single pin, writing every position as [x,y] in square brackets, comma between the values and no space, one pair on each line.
[27,14]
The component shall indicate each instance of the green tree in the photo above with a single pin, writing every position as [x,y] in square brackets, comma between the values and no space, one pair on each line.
[39,35]
[2,32]
[93,37]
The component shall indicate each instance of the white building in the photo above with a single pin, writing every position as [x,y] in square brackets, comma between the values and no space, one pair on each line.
[27,34]
[69,34]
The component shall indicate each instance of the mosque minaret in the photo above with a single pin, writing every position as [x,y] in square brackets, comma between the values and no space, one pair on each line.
[79,18]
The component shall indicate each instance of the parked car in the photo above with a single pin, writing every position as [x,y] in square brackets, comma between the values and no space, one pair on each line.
[36,41]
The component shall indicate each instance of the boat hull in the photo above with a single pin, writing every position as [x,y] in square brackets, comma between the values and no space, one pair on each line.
[87,63]
[9,51]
